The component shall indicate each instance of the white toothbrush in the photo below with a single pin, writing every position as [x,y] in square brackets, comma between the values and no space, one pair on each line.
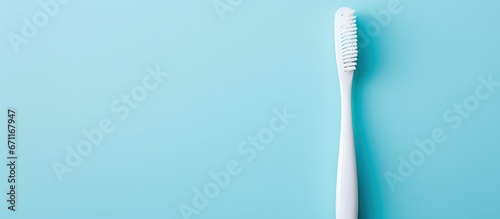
[346,50]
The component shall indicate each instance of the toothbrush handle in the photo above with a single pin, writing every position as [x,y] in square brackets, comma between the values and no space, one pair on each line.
[347,182]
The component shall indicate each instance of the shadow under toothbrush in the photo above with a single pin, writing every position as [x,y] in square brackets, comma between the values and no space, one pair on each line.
[371,186]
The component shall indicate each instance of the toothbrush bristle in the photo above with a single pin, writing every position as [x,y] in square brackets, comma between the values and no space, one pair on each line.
[349,41]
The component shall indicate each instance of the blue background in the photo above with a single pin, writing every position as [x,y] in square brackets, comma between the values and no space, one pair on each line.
[226,77]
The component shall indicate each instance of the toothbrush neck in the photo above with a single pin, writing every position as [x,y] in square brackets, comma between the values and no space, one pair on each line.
[345,94]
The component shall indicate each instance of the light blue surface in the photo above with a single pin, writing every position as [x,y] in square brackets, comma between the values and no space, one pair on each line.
[226,78]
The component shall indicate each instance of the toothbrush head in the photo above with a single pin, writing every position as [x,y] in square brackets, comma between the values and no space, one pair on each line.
[346,43]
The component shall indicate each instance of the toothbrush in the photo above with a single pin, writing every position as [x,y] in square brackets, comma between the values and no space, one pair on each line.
[346,51]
